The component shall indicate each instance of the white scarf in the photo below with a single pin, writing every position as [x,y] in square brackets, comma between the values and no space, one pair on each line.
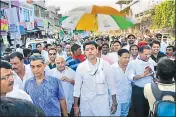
[96,71]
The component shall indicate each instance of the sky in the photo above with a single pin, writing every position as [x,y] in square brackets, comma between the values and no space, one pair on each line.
[66,5]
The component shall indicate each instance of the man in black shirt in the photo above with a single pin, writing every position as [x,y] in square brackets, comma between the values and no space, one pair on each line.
[156,54]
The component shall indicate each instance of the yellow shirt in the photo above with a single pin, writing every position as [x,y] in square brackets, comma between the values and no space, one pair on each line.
[163,87]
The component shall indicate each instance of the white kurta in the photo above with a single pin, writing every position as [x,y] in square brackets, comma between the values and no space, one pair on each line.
[19,94]
[123,86]
[137,67]
[92,87]
[67,87]
[18,83]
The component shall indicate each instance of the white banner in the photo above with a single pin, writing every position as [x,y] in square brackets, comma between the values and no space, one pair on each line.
[13,23]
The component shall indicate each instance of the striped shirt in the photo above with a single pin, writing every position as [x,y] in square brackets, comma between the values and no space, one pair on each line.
[72,63]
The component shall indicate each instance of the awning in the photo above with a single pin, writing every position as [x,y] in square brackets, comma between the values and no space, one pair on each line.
[31,31]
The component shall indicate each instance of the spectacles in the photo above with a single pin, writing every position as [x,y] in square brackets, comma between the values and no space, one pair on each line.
[52,54]
[7,77]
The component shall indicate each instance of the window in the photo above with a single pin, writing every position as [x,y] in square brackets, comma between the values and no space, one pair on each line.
[26,15]
[36,11]
[42,13]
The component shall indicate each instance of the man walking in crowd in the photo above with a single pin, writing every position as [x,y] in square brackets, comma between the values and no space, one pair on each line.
[60,51]
[131,40]
[67,76]
[45,91]
[156,54]
[140,73]
[170,50]
[22,72]
[114,55]
[93,79]
[123,84]
[134,49]
[105,49]
[76,58]
[7,81]
[166,71]
[52,57]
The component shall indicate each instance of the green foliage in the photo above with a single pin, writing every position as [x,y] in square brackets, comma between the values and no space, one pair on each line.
[164,15]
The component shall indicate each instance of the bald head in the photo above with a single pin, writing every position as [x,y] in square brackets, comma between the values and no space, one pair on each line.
[60,63]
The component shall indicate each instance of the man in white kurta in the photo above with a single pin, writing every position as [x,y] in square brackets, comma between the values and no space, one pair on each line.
[22,72]
[123,84]
[67,76]
[140,73]
[93,79]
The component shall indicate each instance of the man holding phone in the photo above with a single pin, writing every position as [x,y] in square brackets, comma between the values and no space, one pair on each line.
[141,72]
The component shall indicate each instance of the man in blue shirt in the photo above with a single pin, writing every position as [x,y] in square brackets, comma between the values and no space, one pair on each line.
[45,91]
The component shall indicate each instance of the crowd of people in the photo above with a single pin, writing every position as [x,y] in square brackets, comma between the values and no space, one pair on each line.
[100,77]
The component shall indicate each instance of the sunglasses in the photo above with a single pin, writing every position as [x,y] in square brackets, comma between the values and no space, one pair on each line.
[52,54]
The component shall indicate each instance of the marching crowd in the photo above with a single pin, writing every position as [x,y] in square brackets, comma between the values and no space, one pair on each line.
[96,78]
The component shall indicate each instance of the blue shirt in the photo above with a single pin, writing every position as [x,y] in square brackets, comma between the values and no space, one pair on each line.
[73,63]
[46,95]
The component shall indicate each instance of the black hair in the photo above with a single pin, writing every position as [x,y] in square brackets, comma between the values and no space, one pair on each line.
[131,35]
[30,45]
[134,46]
[118,42]
[142,48]
[164,36]
[18,108]
[26,52]
[5,64]
[121,51]
[99,48]
[158,35]
[90,43]
[16,54]
[171,47]
[38,44]
[52,49]
[35,51]
[47,45]
[105,44]
[6,58]
[106,38]
[75,47]
[166,69]
[59,45]
[155,42]
[17,45]
[9,50]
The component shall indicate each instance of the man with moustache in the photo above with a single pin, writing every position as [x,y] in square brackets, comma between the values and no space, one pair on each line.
[131,40]
[22,71]
[141,72]
[7,80]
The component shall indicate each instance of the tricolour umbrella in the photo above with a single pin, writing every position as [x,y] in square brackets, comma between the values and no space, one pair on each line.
[96,18]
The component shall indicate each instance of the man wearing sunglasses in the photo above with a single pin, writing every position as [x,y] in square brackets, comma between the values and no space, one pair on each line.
[7,80]
[52,56]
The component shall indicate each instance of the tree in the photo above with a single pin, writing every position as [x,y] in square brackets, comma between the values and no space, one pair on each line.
[164,15]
